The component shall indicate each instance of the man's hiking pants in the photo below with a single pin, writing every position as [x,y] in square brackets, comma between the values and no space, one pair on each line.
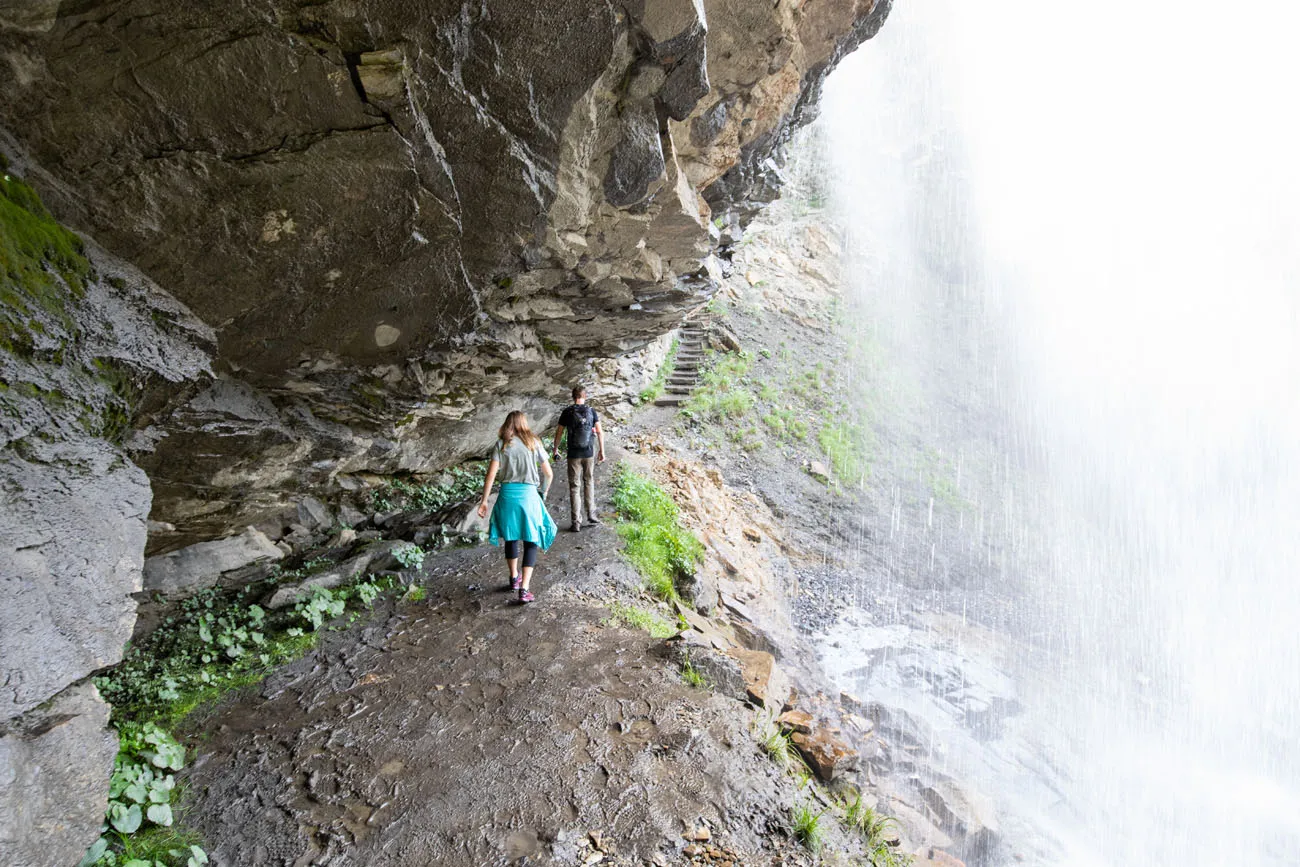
[582,473]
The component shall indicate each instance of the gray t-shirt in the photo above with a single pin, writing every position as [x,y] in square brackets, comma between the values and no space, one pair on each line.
[519,463]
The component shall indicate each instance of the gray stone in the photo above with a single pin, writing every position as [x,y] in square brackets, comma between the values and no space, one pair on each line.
[54,768]
[190,569]
[351,517]
[723,673]
[314,515]
[638,159]
[374,558]
[71,547]
[966,816]
[687,83]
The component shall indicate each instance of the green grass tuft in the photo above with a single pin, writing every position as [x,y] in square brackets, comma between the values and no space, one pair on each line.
[845,446]
[692,675]
[654,542]
[805,825]
[639,618]
[722,394]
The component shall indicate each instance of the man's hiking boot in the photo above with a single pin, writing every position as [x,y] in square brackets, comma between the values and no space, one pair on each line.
[594,521]
[575,526]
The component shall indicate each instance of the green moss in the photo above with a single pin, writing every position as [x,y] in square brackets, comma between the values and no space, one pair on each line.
[42,265]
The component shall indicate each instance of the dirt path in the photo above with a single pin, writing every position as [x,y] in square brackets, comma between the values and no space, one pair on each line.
[465,729]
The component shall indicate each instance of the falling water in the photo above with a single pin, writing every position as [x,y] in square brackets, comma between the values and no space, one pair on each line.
[1075,250]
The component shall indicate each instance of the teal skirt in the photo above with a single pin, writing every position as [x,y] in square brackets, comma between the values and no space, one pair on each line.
[520,515]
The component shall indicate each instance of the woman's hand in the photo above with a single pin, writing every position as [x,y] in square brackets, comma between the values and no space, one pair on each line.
[482,509]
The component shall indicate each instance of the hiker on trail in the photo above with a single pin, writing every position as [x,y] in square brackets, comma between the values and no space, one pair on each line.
[519,516]
[586,448]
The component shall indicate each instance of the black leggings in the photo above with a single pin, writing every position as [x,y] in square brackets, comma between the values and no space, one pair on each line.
[530,552]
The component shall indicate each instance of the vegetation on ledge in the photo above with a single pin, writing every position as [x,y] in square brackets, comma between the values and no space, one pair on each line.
[214,643]
[655,543]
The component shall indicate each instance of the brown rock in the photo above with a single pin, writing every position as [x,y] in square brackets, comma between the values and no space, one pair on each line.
[824,753]
[796,720]
[765,682]
[940,858]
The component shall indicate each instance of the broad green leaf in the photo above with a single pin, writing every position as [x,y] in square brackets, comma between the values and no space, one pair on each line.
[160,814]
[123,818]
[94,853]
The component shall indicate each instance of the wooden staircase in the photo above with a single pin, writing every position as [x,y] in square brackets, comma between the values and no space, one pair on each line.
[690,355]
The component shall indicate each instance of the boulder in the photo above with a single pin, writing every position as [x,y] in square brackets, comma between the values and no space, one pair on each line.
[825,753]
[54,768]
[765,683]
[819,471]
[315,515]
[351,517]
[190,569]
[966,816]
[721,671]
[375,558]
[796,720]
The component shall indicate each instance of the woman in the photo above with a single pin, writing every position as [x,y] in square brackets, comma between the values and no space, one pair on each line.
[519,516]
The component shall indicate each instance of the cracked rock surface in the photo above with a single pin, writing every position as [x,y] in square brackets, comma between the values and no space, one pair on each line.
[403,218]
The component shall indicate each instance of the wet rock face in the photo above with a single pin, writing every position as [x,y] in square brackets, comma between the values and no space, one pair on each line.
[403,219]
[83,337]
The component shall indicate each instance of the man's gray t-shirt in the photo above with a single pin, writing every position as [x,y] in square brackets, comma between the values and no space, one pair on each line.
[519,463]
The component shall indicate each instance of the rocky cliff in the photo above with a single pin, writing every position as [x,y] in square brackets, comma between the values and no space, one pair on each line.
[356,234]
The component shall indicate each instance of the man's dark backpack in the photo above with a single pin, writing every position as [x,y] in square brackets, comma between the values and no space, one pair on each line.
[581,422]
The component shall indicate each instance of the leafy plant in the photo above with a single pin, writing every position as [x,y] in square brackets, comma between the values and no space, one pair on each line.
[322,605]
[874,828]
[214,643]
[410,556]
[654,542]
[805,825]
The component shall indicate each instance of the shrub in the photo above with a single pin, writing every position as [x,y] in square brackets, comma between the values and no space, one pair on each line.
[409,556]
[721,394]
[845,448]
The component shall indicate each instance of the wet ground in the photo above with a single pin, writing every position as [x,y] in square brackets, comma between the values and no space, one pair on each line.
[466,729]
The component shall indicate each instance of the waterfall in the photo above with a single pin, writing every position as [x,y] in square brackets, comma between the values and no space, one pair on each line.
[1075,256]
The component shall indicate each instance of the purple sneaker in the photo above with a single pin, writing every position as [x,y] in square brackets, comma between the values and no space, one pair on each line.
[525,597]
[516,582]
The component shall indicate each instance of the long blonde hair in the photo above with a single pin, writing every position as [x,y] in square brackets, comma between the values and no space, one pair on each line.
[516,425]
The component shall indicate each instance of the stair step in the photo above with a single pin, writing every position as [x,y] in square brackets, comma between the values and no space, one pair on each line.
[672,400]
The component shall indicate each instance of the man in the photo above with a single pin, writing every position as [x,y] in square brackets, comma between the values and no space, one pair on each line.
[586,440]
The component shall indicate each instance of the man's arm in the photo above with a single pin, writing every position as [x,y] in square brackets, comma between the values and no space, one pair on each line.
[600,442]
[555,446]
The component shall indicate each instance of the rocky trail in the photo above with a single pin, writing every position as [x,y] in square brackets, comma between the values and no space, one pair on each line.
[468,729]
